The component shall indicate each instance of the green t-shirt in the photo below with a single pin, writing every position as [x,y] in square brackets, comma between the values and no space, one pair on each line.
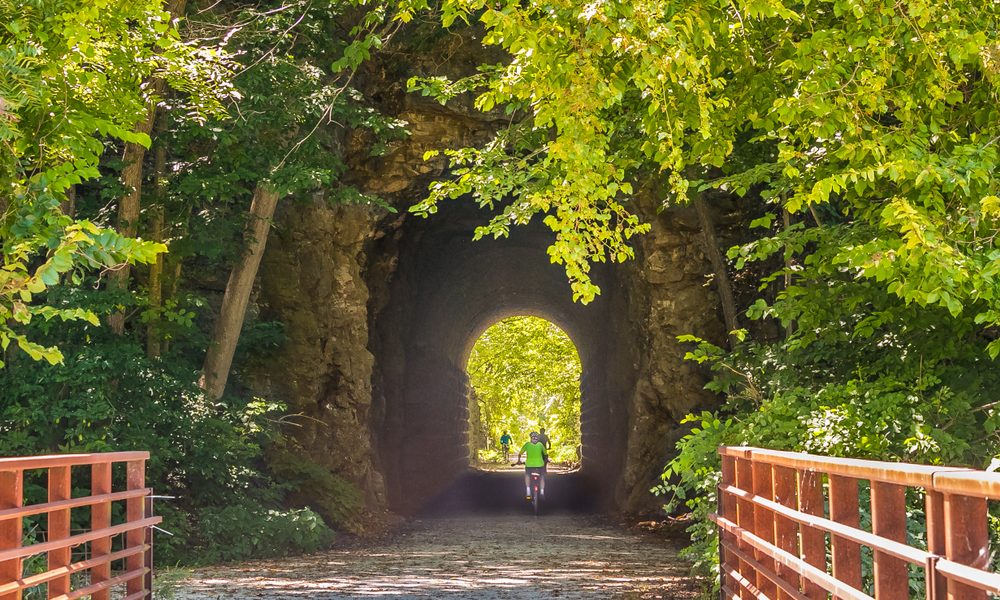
[506,440]
[535,454]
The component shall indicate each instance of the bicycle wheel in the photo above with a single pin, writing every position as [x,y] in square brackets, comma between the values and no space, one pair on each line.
[535,499]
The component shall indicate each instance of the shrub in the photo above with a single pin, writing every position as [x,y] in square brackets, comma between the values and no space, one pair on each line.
[246,530]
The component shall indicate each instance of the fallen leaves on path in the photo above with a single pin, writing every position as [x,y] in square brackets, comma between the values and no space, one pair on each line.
[482,557]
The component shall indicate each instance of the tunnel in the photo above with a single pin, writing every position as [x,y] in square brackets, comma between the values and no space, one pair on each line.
[446,291]
[379,312]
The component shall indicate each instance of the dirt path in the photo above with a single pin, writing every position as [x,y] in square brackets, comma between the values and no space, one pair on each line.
[464,557]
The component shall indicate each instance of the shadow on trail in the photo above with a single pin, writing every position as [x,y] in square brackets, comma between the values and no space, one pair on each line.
[502,492]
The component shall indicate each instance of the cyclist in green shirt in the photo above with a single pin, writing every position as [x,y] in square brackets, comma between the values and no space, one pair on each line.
[534,462]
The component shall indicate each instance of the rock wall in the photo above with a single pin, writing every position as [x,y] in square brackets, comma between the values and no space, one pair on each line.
[669,295]
[313,280]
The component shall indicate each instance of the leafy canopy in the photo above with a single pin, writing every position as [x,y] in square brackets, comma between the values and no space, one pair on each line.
[883,113]
[71,78]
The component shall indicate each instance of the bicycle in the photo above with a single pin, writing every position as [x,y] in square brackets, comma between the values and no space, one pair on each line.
[536,489]
[536,494]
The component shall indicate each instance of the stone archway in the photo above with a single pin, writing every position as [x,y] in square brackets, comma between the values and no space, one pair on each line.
[446,291]
[379,311]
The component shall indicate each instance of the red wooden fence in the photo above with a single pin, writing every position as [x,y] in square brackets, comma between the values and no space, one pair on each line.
[790,528]
[97,547]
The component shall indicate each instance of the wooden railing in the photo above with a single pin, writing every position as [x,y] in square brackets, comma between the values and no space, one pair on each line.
[790,528]
[96,547]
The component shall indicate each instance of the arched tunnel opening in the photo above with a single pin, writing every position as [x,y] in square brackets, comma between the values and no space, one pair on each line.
[445,291]
[379,313]
[524,377]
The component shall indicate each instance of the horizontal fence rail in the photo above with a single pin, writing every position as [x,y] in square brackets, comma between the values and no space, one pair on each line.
[790,527]
[81,541]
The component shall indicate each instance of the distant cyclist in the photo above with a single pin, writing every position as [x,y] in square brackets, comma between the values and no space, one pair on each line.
[505,442]
[544,439]
[534,462]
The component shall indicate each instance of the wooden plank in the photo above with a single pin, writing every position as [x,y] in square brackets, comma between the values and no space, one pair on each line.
[966,541]
[786,530]
[40,578]
[67,460]
[100,518]
[979,484]
[813,540]
[60,488]
[78,539]
[844,509]
[744,519]
[763,526]
[976,578]
[727,508]
[790,591]
[935,583]
[872,470]
[11,496]
[37,509]
[889,521]
[135,510]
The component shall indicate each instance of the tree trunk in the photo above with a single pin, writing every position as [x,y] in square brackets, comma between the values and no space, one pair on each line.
[219,358]
[129,205]
[722,282]
[786,219]
[68,205]
[128,217]
[153,349]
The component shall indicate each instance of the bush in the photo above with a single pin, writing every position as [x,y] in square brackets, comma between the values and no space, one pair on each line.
[246,530]
[336,499]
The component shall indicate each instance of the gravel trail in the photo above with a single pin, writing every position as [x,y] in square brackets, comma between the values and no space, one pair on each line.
[487,557]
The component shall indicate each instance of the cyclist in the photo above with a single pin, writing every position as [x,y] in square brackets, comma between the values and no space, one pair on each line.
[505,441]
[534,462]
[544,439]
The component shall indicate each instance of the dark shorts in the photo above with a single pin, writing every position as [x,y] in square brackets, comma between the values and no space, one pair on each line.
[530,470]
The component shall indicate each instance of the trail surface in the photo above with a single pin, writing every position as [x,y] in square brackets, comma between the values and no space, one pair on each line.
[489,557]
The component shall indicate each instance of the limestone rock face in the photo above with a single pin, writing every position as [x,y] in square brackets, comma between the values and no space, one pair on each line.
[669,296]
[312,280]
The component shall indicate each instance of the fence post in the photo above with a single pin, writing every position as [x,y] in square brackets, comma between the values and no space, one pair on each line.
[11,496]
[786,531]
[60,488]
[813,540]
[844,509]
[966,540]
[889,521]
[149,547]
[727,508]
[100,518]
[935,583]
[745,518]
[763,524]
[135,510]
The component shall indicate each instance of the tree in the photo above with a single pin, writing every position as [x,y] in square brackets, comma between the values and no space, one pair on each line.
[883,113]
[296,101]
[69,79]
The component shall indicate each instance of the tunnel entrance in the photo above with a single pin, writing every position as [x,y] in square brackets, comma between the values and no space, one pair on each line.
[380,316]
[446,290]
[524,376]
